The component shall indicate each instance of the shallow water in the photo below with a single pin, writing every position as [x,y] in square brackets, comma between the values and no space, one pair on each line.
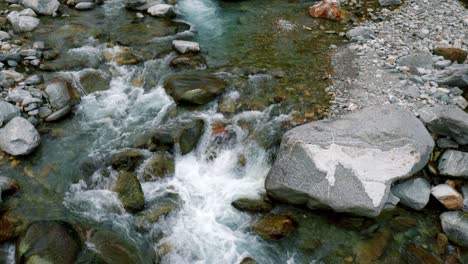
[265,49]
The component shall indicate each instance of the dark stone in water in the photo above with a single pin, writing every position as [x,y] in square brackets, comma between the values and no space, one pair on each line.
[401,223]
[194,87]
[93,80]
[10,227]
[371,250]
[418,255]
[159,166]
[113,249]
[188,61]
[48,242]
[248,260]
[186,132]
[126,160]
[130,193]
[252,205]
[274,226]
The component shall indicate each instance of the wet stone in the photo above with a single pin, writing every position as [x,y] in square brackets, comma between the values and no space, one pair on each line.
[159,166]
[130,193]
[274,226]
[252,205]
[126,160]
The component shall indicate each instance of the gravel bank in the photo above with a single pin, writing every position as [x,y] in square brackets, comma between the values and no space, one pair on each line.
[370,70]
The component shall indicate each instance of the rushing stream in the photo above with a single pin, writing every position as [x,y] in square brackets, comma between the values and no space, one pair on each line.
[265,50]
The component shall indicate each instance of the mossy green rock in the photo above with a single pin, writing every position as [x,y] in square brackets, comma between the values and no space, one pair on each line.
[126,160]
[274,226]
[194,87]
[48,243]
[252,205]
[130,193]
[154,214]
[190,135]
[159,166]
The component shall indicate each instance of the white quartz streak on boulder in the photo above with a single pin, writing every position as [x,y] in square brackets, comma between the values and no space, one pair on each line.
[365,164]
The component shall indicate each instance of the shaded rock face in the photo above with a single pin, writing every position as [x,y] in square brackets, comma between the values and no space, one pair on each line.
[349,164]
[455,226]
[454,163]
[413,193]
[194,88]
[446,121]
[8,112]
[48,242]
[43,7]
[455,75]
[19,137]
[130,193]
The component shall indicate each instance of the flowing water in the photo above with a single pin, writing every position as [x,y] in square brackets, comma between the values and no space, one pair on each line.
[264,49]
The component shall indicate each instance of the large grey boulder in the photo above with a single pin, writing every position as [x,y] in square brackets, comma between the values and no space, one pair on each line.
[22,23]
[414,193]
[446,121]
[420,59]
[43,7]
[454,163]
[19,137]
[348,164]
[455,226]
[455,75]
[8,112]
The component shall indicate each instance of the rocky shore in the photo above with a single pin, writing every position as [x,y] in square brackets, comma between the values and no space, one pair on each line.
[398,58]
[166,155]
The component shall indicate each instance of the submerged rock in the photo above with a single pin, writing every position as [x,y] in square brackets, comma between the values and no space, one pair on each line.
[159,166]
[7,186]
[8,112]
[448,196]
[48,242]
[454,163]
[194,87]
[92,80]
[274,226]
[446,121]
[127,58]
[346,167]
[414,193]
[78,58]
[130,193]
[455,226]
[126,160]
[188,61]
[369,251]
[252,205]
[453,54]
[418,255]
[19,137]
